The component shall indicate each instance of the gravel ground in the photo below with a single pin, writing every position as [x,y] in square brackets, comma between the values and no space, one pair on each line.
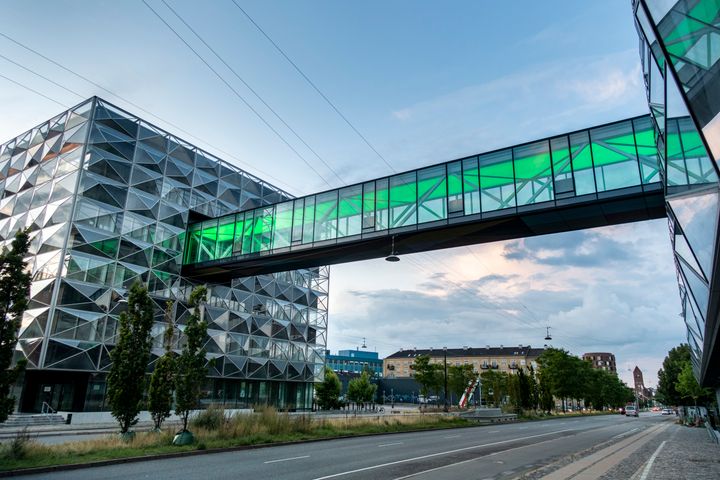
[687,453]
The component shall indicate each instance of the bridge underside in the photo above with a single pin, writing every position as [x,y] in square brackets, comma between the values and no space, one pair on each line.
[611,208]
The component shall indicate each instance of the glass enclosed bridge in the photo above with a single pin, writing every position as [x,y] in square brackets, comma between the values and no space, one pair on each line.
[599,176]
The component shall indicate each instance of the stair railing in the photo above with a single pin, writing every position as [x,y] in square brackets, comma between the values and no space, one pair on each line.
[46,409]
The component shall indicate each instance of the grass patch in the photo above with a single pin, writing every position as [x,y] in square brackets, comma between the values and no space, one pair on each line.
[213,429]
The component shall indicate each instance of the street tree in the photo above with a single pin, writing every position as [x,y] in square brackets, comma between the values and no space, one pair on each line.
[430,376]
[361,389]
[191,369]
[14,289]
[459,379]
[495,386]
[674,362]
[688,387]
[162,380]
[126,380]
[328,391]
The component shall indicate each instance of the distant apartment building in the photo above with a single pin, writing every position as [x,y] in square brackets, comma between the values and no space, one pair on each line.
[503,359]
[601,361]
[355,362]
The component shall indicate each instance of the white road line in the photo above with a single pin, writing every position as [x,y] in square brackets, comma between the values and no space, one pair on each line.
[649,465]
[453,436]
[500,462]
[625,433]
[493,431]
[390,444]
[287,459]
[447,452]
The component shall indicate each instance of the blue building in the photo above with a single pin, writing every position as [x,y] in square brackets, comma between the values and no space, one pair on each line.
[354,362]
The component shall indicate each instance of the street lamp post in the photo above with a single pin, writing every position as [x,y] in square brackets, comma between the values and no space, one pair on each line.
[445,408]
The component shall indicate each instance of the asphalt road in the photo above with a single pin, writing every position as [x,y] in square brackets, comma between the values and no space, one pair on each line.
[498,451]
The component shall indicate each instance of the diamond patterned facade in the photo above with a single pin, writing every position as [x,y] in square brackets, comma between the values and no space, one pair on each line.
[680,54]
[108,197]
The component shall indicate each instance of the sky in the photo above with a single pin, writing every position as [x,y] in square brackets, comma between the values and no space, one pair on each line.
[407,83]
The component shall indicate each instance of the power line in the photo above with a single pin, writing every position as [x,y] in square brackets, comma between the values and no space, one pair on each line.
[136,106]
[41,76]
[234,72]
[237,94]
[34,91]
[315,87]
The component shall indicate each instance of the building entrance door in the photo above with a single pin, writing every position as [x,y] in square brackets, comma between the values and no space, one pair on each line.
[58,396]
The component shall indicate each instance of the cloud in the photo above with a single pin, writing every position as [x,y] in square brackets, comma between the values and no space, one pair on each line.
[609,289]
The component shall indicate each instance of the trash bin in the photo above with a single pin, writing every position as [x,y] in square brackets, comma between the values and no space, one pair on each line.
[68,419]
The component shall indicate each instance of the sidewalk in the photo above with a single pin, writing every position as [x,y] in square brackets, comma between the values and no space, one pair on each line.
[682,452]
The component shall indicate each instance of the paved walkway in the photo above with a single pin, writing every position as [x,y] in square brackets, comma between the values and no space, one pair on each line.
[679,453]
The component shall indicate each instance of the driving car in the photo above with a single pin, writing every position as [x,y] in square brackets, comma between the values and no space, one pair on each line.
[621,410]
[667,411]
[631,411]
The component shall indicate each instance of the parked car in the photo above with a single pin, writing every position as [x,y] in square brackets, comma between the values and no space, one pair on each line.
[667,411]
[631,411]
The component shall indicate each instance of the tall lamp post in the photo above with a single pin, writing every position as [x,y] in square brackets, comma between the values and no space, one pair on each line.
[445,408]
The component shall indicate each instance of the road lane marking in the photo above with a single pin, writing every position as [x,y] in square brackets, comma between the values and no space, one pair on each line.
[447,452]
[625,433]
[493,431]
[649,465]
[500,462]
[390,444]
[287,459]
[452,436]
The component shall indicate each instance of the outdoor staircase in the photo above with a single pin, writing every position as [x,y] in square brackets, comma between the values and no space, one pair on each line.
[27,420]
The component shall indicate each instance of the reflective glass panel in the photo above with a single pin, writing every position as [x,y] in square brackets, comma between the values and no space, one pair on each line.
[614,156]
[560,153]
[533,173]
[381,204]
[283,225]
[208,239]
[350,211]
[582,163]
[471,186]
[497,183]
[225,236]
[403,200]
[455,187]
[432,194]
[368,205]
[326,212]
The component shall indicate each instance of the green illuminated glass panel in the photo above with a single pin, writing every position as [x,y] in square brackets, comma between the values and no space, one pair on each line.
[497,182]
[283,225]
[208,239]
[193,244]
[699,166]
[238,236]
[257,230]
[471,186]
[403,200]
[308,220]
[326,213]
[225,235]
[582,163]
[455,187]
[614,156]
[562,170]
[247,234]
[381,204]
[298,220]
[647,150]
[350,211]
[533,173]
[432,194]
[368,205]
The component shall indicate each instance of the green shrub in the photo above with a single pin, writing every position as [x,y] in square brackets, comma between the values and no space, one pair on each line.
[213,418]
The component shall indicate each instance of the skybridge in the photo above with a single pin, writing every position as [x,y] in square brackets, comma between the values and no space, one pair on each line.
[605,175]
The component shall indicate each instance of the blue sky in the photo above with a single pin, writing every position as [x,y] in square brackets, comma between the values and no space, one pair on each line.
[424,82]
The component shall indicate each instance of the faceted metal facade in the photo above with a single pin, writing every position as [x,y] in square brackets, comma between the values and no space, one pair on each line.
[108,198]
[680,54]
